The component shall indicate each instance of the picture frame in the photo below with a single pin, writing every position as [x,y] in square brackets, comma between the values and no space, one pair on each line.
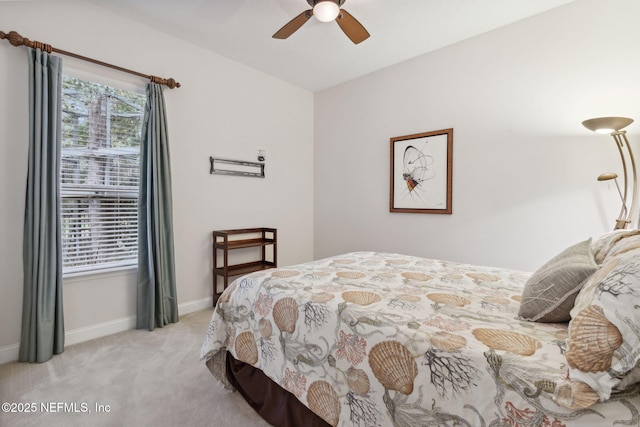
[421,173]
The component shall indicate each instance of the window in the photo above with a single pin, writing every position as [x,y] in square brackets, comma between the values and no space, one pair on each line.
[100,176]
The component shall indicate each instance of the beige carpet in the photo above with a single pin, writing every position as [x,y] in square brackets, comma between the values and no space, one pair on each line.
[141,378]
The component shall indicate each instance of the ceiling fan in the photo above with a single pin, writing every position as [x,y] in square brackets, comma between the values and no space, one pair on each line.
[326,11]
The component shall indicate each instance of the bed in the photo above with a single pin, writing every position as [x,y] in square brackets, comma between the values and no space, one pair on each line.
[381,339]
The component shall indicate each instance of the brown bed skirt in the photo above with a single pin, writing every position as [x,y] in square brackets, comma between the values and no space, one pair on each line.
[275,404]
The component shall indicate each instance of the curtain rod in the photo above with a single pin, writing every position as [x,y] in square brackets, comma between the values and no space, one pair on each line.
[17,40]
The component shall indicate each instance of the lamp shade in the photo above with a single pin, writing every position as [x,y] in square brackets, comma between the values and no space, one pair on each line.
[326,10]
[607,124]
[607,176]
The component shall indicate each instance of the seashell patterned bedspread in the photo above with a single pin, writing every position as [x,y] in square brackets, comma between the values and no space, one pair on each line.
[376,339]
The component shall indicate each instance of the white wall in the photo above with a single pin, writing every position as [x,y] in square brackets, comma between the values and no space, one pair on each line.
[524,168]
[222,109]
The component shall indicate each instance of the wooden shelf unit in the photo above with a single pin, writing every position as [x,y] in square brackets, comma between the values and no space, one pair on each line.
[242,238]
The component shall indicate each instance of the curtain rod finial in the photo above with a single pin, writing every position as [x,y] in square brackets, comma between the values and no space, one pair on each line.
[17,40]
[170,82]
[14,38]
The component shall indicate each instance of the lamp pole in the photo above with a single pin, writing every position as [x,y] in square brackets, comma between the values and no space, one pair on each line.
[614,126]
[621,137]
[623,210]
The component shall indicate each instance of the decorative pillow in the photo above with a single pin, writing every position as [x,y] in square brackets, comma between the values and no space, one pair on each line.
[603,244]
[627,243]
[603,347]
[549,294]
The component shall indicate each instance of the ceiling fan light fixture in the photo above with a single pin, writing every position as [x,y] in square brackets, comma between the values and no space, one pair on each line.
[326,10]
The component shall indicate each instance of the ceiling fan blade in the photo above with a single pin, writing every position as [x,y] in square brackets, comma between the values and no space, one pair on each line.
[351,27]
[293,25]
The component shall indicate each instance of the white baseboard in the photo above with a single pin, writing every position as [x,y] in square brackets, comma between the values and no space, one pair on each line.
[87,333]
[10,353]
[193,306]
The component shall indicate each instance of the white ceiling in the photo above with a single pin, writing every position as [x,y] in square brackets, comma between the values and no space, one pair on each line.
[319,55]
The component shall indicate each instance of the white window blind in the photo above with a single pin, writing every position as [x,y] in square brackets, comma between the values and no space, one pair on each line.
[100,176]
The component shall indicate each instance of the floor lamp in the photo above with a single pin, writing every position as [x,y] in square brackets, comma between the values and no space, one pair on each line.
[614,126]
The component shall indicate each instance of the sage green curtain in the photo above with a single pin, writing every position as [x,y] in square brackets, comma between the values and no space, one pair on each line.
[157,299]
[42,319]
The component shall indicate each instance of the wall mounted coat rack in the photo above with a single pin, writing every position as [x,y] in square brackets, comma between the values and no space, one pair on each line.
[236,167]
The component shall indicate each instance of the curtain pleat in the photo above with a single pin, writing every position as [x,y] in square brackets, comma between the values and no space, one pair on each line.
[42,317]
[157,303]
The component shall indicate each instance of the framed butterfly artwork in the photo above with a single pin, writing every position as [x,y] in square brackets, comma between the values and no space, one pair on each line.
[421,172]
